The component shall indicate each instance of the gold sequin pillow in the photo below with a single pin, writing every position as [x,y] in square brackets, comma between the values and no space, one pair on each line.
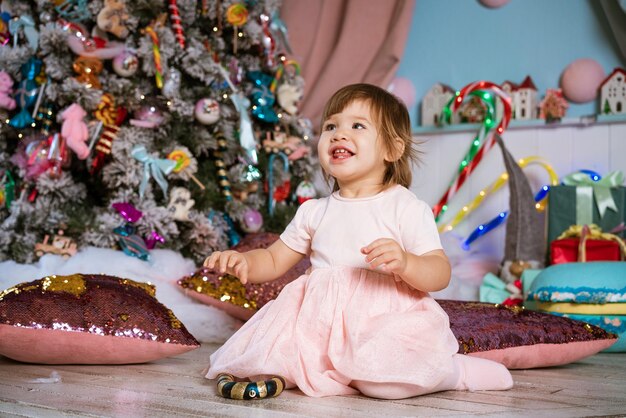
[88,319]
[226,292]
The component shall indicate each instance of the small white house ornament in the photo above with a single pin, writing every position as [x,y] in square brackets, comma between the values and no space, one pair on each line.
[613,93]
[433,103]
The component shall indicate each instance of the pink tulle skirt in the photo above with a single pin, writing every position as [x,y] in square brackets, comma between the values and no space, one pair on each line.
[338,325]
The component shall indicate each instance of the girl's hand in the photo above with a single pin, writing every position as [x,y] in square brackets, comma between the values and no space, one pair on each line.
[230,262]
[387,255]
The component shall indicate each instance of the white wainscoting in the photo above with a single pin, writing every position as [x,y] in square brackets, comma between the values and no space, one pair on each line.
[568,147]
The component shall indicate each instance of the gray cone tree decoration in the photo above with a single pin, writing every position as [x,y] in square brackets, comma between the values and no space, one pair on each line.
[524,242]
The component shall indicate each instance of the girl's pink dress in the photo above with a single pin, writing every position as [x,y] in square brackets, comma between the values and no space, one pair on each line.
[341,326]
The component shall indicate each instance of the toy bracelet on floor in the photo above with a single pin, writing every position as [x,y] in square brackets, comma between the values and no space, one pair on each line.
[228,388]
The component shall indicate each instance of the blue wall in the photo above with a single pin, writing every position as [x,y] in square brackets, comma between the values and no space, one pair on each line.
[460,41]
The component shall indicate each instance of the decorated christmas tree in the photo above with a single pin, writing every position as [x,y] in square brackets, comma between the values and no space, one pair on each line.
[130,124]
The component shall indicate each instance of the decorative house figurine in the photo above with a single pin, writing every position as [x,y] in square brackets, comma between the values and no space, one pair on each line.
[553,106]
[525,100]
[613,93]
[433,103]
[509,88]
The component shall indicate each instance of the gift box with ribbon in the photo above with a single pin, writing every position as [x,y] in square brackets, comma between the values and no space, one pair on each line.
[587,243]
[583,201]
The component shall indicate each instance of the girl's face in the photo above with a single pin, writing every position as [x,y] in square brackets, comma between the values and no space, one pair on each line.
[350,149]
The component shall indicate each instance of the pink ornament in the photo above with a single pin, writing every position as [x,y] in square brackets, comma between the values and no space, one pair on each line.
[74,130]
[125,64]
[493,4]
[6,89]
[404,89]
[581,80]
[148,116]
[252,221]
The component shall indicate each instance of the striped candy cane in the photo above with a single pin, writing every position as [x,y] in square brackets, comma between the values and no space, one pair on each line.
[478,88]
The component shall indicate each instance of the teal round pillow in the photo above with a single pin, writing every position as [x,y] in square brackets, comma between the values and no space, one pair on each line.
[595,282]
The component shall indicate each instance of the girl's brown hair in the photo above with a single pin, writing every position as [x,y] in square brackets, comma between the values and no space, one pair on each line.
[392,122]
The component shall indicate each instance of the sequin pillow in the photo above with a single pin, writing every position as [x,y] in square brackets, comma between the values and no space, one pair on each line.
[226,292]
[520,338]
[88,319]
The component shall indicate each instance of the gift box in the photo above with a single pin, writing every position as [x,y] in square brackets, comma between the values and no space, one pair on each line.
[583,205]
[567,250]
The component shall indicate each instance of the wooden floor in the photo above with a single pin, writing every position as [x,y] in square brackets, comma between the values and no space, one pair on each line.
[175,387]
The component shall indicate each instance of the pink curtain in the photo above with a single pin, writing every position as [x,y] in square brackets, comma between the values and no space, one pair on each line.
[339,42]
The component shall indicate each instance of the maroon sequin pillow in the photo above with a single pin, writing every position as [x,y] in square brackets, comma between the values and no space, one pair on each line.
[522,339]
[226,292]
[88,319]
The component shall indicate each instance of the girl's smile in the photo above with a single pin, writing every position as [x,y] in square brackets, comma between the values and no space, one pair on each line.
[351,151]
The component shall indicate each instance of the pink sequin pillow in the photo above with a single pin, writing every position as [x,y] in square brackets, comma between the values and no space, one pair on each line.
[522,339]
[226,292]
[88,319]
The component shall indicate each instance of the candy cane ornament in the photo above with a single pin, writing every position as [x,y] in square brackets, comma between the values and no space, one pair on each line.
[468,166]
[176,23]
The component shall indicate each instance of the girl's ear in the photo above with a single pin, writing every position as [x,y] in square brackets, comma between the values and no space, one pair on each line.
[396,151]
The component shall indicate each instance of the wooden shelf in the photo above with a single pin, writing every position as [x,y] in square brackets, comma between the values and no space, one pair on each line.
[523,124]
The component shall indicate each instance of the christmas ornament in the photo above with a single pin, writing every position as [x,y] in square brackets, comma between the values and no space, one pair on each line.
[24,25]
[46,117]
[180,203]
[581,80]
[152,240]
[267,40]
[79,41]
[171,84]
[485,139]
[125,64]
[26,93]
[127,211]
[280,193]
[88,69]
[252,221]
[8,190]
[289,97]
[184,165]
[279,30]
[109,118]
[75,10]
[60,245]
[147,116]
[305,191]
[246,133]
[233,236]
[74,130]
[553,106]
[156,168]
[57,155]
[207,111]
[222,175]
[291,145]
[236,15]
[130,243]
[156,53]
[262,97]
[176,25]
[6,89]
[247,181]
[291,89]
[113,17]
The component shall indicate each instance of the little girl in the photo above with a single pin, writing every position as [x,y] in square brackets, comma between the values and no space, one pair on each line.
[361,319]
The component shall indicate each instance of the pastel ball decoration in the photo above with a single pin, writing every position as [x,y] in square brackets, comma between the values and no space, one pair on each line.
[252,221]
[493,4]
[404,89]
[581,79]
[125,64]
[207,111]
